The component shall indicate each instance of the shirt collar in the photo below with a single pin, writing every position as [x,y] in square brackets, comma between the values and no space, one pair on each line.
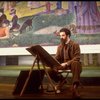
[67,41]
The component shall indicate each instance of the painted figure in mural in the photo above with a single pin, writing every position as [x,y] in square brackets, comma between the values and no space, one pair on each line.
[4,30]
[25,25]
[14,22]
[68,54]
[72,6]
[59,9]
[87,16]
[59,5]
[48,6]
[2,16]
[33,4]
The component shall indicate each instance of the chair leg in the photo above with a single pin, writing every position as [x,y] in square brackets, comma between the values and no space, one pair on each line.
[64,81]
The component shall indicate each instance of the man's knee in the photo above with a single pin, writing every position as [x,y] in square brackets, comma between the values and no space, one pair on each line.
[76,65]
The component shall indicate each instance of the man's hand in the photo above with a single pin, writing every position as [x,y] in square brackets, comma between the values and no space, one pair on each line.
[64,65]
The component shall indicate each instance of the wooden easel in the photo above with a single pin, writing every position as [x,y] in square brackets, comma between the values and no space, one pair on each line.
[37,58]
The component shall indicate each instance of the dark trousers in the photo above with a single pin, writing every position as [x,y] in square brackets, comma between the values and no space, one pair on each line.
[75,68]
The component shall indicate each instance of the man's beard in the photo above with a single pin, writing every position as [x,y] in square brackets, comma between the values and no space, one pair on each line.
[63,41]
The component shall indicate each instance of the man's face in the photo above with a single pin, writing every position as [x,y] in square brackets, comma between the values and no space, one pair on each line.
[63,37]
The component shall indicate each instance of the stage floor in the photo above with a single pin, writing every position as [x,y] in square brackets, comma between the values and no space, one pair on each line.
[86,92]
[90,80]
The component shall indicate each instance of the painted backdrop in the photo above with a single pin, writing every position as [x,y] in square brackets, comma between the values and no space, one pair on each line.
[31,22]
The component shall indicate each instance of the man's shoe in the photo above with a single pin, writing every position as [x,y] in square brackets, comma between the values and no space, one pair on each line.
[75,92]
[60,85]
[57,89]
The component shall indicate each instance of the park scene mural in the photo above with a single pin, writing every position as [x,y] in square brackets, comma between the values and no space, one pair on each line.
[24,23]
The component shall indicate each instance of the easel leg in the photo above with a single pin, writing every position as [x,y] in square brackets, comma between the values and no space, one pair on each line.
[28,77]
[49,78]
[39,73]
